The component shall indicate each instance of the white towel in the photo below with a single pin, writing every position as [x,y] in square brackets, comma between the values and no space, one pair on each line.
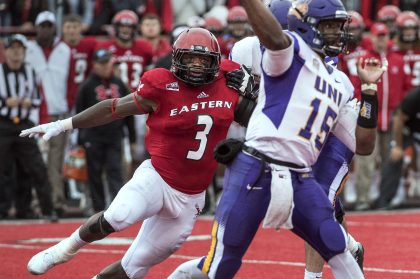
[279,212]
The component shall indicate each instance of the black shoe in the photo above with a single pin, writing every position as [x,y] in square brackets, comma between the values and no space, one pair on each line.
[359,256]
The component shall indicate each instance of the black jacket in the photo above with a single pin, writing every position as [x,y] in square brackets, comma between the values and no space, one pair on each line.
[93,90]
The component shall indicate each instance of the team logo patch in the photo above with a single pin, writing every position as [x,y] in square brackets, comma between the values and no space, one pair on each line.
[202,95]
[365,111]
[173,86]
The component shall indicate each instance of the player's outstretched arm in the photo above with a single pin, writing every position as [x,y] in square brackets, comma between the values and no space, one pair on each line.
[265,25]
[101,113]
[370,70]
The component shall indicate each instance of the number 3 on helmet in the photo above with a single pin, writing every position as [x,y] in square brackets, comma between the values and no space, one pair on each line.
[196,41]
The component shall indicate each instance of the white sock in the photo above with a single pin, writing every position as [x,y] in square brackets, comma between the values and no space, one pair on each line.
[312,275]
[188,270]
[74,242]
[352,245]
[344,266]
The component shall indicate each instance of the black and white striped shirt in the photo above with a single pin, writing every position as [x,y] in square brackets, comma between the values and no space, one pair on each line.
[22,84]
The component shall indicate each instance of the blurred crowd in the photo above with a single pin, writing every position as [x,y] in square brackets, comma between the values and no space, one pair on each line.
[61,57]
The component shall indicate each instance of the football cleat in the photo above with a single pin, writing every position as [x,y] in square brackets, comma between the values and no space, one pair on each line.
[359,255]
[47,259]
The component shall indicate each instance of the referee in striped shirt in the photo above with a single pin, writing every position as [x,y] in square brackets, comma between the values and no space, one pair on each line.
[19,95]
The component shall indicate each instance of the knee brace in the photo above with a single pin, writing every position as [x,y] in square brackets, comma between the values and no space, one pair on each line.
[333,238]
[95,228]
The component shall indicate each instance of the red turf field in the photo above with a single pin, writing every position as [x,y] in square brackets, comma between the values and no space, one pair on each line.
[391,240]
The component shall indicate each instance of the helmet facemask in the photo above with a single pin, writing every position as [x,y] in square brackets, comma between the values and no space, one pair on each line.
[409,34]
[121,36]
[193,74]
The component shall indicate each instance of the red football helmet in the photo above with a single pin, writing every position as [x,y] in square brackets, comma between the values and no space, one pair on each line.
[125,18]
[408,20]
[214,25]
[197,41]
[356,20]
[237,14]
[388,13]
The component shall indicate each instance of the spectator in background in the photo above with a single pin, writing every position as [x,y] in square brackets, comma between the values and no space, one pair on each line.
[103,11]
[25,12]
[391,89]
[184,9]
[51,60]
[83,8]
[215,26]
[161,8]
[131,54]
[408,45]
[220,12]
[103,143]
[388,15]
[151,29]
[18,96]
[237,29]
[81,52]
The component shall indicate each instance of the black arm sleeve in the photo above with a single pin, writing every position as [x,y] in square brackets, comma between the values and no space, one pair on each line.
[244,110]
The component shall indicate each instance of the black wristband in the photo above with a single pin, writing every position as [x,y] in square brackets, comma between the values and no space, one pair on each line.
[368,114]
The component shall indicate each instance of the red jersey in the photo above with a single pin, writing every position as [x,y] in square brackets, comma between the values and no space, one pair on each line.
[411,65]
[187,125]
[226,44]
[80,66]
[162,49]
[132,61]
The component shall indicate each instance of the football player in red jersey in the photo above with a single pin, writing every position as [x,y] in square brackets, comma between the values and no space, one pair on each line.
[190,110]
[237,29]
[408,45]
[388,15]
[133,55]
[81,52]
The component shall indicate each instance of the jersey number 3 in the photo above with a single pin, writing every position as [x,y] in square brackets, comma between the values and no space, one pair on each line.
[202,137]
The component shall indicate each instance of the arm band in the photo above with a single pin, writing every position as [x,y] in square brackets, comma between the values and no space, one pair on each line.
[113,112]
[243,111]
[368,114]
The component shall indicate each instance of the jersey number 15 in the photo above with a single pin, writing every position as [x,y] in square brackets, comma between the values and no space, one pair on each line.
[307,133]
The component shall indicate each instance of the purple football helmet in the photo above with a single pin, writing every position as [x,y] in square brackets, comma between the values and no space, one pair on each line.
[280,9]
[305,17]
